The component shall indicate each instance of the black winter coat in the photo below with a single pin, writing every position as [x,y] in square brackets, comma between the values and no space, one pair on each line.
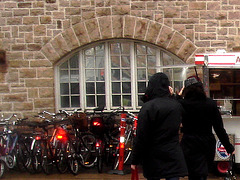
[198,142]
[157,142]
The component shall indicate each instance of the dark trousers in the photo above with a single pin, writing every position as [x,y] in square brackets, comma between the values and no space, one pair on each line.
[174,178]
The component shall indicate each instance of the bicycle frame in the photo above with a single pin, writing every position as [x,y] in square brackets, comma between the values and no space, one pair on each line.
[8,146]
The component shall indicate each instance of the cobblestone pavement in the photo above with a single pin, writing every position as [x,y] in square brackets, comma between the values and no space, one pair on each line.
[84,174]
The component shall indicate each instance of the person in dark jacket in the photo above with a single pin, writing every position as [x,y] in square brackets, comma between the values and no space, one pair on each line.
[201,114]
[157,144]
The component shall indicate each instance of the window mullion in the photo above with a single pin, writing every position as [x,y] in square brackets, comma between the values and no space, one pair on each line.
[133,76]
[82,80]
[107,77]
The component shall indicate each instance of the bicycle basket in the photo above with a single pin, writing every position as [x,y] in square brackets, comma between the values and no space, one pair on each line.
[79,121]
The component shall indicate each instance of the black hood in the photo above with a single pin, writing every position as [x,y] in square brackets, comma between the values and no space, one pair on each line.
[158,86]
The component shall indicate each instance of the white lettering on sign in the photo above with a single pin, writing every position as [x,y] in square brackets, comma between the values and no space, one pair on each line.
[237,60]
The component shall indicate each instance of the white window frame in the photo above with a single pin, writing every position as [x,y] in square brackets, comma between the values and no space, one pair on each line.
[108,95]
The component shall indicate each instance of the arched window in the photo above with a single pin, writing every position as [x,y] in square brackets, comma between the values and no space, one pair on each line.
[113,73]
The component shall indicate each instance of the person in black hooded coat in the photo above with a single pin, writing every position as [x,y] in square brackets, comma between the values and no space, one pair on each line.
[156,145]
[201,115]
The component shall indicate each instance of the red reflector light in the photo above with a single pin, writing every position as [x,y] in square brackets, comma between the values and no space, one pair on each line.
[59,137]
[96,123]
[61,131]
[38,137]
[97,144]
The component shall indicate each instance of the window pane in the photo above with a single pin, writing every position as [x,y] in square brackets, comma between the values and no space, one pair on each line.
[116,100]
[151,72]
[178,74]
[141,62]
[141,87]
[100,50]
[116,88]
[125,61]
[65,101]
[168,72]
[74,88]
[90,101]
[64,65]
[115,48]
[90,88]
[178,86]
[64,76]
[90,75]
[151,51]
[99,62]
[125,48]
[100,88]
[101,101]
[115,61]
[100,75]
[75,101]
[74,61]
[141,74]
[126,75]
[64,88]
[74,75]
[167,60]
[115,74]
[151,61]
[127,101]
[89,61]
[141,49]
[89,51]
[126,87]
[140,103]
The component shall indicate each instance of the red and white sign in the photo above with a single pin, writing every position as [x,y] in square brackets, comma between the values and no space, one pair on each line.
[218,59]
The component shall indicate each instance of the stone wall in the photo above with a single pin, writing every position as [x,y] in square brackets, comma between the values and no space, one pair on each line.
[37,33]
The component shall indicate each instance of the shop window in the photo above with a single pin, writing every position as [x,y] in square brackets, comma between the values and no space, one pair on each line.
[113,74]
[224,86]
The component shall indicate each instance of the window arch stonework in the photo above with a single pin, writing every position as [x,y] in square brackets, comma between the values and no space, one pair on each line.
[109,27]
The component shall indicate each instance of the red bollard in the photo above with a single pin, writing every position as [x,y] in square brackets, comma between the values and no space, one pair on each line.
[121,147]
[122,141]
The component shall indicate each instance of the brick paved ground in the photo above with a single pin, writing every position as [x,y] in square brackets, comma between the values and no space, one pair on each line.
[84,174]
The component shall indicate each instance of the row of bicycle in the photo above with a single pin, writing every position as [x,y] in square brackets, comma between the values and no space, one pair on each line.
[67,140]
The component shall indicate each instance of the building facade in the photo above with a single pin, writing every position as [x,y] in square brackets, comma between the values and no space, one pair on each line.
[63,53]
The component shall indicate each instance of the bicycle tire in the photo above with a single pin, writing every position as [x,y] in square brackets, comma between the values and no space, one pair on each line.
[47,163]
[127,151]
[87,148]
[23,156]
[72,159]
[100,164]
[2,168]
[37,156]
[61,157]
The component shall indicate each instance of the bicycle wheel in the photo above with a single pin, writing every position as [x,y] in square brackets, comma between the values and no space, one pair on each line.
[72,159]
[23,156]
[61,157]
[2,168]
[87,148]
[36,156]
[127,150]
[100,164]
[47,163]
